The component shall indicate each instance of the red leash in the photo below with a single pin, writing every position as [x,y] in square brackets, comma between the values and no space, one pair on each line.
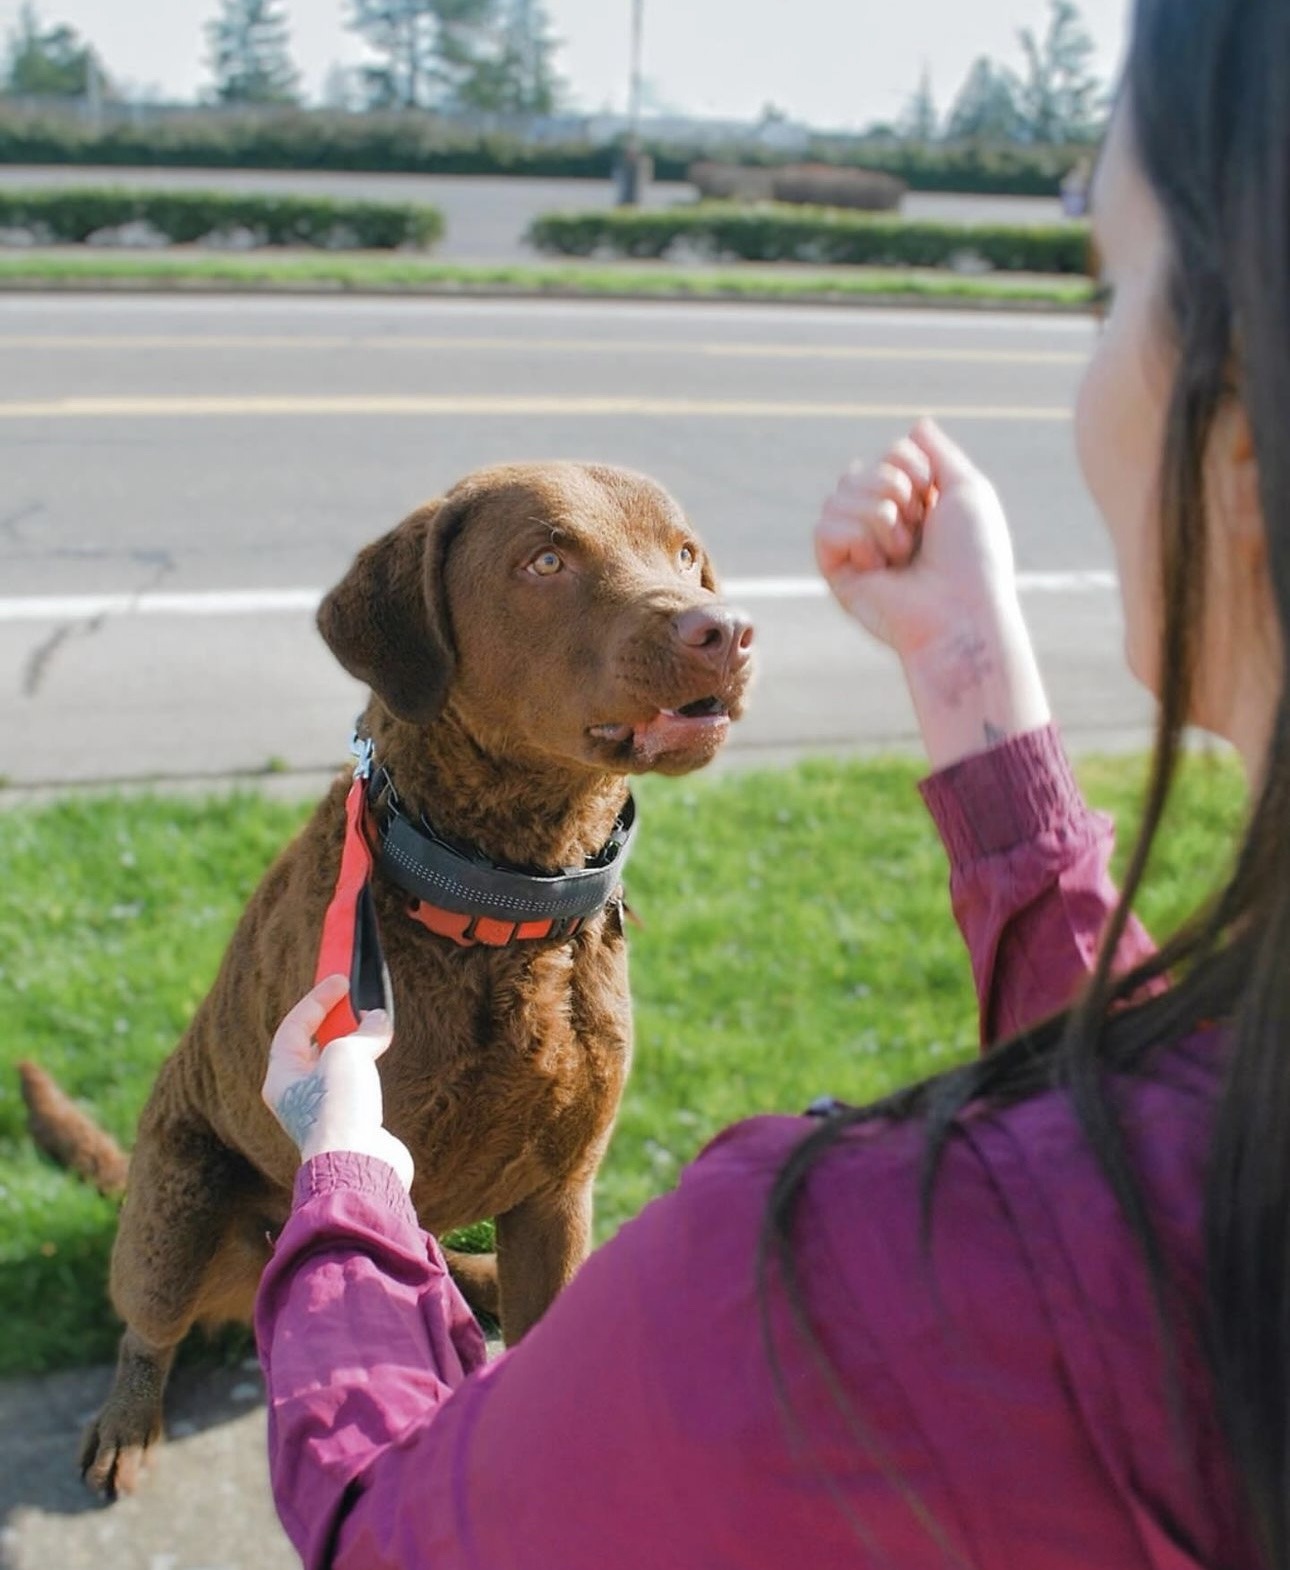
[350,944]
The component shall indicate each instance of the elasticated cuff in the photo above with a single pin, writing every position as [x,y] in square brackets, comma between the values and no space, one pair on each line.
[348,1170]
[1014,793]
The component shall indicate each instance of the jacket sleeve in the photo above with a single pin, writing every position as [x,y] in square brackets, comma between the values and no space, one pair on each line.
[362,1337]
[1029,879]
[392,1446]
[637,1425]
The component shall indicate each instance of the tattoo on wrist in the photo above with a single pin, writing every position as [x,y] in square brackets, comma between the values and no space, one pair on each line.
[965,666]
[994,734]
[299,1106]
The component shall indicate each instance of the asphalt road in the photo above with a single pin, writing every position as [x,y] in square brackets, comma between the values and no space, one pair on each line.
[181,478]
[486,217]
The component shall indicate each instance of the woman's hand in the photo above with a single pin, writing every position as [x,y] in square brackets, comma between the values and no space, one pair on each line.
[329,1098]
[916,543]
[917,549]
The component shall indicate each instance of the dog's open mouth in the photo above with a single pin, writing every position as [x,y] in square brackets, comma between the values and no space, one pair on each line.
[695,725]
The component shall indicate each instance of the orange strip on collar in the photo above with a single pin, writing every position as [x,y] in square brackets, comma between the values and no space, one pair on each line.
[486,931]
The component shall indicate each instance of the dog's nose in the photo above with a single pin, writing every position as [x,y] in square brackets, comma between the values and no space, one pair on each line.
[719,633]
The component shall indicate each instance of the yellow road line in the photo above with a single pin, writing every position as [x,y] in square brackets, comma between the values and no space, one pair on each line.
[242,343]
[152,408]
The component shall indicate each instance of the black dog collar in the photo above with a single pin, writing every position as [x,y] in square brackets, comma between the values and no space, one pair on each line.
[457,892]
[462,894]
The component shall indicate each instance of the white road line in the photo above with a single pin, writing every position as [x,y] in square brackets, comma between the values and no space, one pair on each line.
[273,602]
[139,408]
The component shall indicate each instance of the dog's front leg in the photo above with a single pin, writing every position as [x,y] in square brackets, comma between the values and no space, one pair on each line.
[540,1245]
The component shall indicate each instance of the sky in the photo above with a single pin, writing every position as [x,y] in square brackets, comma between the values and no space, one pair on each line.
[832,63]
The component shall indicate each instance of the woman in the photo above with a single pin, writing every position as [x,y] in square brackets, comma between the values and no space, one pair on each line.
[1034,1314]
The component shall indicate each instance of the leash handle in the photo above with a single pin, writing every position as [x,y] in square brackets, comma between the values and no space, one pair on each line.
[350,944]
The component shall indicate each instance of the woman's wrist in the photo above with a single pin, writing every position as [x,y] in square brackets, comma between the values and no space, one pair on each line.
[977,684]
[379,1144]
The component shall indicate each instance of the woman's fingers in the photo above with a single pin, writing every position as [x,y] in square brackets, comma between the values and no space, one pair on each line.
[842,542]
[294,1038]
[859,519]
[375,1031]
[946,460]
[877,514]
[884,481]
[315,1006]
[910,459]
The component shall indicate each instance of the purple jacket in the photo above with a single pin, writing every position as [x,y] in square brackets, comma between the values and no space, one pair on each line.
[1006,1405]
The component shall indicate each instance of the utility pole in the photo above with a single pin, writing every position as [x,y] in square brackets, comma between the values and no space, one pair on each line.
[93,93]
[630,185]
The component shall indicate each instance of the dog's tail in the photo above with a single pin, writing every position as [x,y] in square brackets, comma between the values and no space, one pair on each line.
[66,1134]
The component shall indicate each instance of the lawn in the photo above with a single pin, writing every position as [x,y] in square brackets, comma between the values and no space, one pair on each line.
[398,274]
[796,940]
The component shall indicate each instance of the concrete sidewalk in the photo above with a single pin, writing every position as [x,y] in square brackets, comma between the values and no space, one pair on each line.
[204,1503]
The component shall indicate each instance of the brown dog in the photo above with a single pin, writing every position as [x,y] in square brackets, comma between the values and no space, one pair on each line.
[530,640]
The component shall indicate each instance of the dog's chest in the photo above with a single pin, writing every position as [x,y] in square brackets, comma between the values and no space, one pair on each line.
[507,1067]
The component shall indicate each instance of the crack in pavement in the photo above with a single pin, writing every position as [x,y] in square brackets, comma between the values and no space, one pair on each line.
[41,658]
[11,523]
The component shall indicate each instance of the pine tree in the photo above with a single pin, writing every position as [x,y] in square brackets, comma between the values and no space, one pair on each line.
[518,75]
[921,118]
[986,108]
[427,49]
[250,54]
[49,61]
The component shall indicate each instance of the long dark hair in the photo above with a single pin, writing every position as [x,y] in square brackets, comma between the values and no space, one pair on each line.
[1208,93]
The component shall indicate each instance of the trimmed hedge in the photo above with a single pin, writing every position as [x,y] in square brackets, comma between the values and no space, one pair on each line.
[378,143]
[968,169]
[422,144]
[819,235]
[72,215]
[803,185]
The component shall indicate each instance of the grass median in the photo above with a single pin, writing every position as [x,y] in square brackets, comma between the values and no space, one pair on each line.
[367,273]
[797,940]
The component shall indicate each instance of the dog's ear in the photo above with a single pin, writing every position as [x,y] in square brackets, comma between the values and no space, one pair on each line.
[387,620]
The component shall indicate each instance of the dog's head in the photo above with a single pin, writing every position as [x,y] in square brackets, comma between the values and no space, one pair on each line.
[563,609]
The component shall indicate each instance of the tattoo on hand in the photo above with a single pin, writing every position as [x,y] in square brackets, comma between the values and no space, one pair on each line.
[299,1106]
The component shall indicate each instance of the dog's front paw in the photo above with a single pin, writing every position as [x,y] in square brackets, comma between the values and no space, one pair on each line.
[116,1446]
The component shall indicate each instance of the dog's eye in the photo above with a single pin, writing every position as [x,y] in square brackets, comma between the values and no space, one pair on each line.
[687,558]
[547,564]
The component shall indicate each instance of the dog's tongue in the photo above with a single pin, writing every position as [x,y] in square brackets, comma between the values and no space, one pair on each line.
[666,732]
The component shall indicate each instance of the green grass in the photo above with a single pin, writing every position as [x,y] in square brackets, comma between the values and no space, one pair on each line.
[797,940]
[397,274]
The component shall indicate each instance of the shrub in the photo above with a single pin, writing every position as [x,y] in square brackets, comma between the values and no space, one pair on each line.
[822,185]
[418,143]
[813,185]
[720,182]
[72,215]
[391,143]
[820,235]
